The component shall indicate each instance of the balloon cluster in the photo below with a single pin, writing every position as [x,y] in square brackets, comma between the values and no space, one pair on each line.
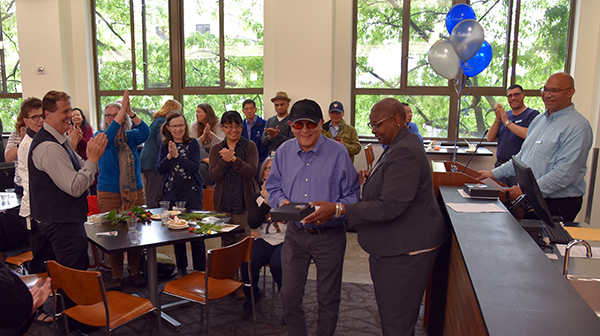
[466,48]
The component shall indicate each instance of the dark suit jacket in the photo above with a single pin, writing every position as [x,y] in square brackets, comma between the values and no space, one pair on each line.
[398,212]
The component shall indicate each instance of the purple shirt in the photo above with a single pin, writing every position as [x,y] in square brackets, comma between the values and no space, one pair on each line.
[509,143]
[324,173]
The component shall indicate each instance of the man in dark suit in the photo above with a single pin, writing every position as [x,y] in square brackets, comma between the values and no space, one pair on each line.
[398,220]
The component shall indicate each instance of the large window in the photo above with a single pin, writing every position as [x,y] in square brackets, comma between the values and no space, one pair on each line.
[530,41]
[10,70]
[195,51]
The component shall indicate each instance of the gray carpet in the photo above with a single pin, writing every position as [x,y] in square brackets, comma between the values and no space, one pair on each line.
[358,315]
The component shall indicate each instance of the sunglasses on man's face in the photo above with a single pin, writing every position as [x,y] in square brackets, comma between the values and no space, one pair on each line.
[300,125]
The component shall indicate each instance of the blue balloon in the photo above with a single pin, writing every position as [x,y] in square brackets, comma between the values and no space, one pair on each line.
[458,13]
[476,64]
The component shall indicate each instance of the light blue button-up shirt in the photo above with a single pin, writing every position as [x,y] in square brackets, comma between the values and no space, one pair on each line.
[325,173]
[556,149]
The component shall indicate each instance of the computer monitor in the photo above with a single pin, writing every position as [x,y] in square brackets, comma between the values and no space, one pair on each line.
[530,188]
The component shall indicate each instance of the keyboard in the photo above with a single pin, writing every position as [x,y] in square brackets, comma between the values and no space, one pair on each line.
[556,235]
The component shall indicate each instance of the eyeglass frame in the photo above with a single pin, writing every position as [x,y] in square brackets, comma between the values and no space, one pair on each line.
[509,96]
[553,91]
[234,126]
[377,124]
[307,123]
[35,118]
[176,126]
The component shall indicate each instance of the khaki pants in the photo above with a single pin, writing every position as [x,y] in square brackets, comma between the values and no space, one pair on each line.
[108,201]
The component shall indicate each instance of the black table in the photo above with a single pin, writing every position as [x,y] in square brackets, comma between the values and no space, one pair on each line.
[505,282]
[153,235]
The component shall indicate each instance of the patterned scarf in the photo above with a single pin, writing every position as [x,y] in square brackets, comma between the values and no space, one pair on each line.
[126,173]
[232,200]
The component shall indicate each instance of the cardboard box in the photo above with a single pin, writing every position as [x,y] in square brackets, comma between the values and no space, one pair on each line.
[481,190]
[293,212]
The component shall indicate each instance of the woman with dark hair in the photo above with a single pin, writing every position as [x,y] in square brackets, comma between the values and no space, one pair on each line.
[81,126]
[207,127]
[178,162]
[120,178]
[153,181]
[80,133]
[233,164]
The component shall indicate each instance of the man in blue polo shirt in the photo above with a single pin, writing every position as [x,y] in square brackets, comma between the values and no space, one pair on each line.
[510,128]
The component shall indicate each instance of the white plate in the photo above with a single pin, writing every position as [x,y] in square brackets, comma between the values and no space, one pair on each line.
[155,217]
[174,212]
[228,227]
[178,227]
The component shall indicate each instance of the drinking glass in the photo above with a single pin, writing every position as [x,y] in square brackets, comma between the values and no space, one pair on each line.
[134,236]
[132,223]
[164,205]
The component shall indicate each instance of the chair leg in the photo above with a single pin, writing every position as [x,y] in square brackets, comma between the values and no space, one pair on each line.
[207,319]
[273,297]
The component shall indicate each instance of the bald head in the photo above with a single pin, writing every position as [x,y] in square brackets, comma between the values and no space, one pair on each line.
[389,106]
[558,91]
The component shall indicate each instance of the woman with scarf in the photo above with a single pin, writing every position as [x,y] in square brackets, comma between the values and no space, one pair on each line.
[232,166]
[178,162]
[120,178]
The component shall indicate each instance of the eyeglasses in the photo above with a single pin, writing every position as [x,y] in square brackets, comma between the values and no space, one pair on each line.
[377,124]
[300,125]
[552,91]
[235,126]
[515,94]
[35,117]
[176,126]
[109,116]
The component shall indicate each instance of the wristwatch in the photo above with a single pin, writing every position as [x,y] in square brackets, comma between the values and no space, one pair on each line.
[508,122]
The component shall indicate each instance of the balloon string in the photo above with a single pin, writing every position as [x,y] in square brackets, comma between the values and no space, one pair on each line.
[454,168]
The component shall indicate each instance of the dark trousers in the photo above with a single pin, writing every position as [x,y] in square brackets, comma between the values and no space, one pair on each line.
[41,249]
[567,207]
[262,253]
[69,243]
[153,183]
[327,250]
[198,255]
[399,284]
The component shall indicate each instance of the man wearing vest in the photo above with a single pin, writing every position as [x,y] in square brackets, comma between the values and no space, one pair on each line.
[58,180]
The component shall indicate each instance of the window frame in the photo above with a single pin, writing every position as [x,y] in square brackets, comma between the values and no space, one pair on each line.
[177,88]
[405,90]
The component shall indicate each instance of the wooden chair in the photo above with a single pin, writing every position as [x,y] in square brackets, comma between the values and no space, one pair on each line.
[217,281]
[94,306]
[370,156]
[207,199]
[20,261]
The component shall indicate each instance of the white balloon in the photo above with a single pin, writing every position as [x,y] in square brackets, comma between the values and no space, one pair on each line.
[467,38]
[443,59]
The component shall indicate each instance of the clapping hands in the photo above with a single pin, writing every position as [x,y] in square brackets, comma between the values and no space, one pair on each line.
[228,155]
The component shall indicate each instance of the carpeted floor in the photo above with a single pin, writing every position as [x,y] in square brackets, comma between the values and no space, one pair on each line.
[358,315]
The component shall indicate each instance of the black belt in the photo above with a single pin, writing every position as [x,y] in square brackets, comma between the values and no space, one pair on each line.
[317,230]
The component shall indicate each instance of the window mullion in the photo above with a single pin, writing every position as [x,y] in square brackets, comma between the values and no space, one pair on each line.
[144,45]
[132,34]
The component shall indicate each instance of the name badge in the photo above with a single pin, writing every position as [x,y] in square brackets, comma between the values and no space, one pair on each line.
[518,121]
[538,142]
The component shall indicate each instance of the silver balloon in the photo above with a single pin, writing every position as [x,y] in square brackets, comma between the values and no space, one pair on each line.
[443,59]
[467,38]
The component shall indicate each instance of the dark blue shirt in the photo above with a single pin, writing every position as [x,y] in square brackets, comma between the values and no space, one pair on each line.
[256,131]
[509,143]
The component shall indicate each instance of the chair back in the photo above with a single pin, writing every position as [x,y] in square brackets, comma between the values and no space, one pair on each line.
[370,156]
[93,207]
[207,199]
[83,287]
[224,262]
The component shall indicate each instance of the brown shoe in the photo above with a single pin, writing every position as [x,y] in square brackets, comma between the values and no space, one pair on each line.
[138,280]
[114,284]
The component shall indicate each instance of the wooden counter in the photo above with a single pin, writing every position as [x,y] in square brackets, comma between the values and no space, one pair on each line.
[499,282]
